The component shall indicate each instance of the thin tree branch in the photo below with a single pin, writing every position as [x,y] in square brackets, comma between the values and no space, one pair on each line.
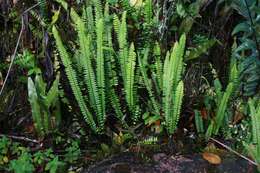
[20,138]
[233,151]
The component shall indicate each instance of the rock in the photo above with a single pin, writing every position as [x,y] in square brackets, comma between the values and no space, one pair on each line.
[162,163]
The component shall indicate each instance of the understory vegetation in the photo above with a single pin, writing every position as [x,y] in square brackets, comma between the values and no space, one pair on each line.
[82,80]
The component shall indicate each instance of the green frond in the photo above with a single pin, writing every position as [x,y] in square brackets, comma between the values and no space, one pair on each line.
[89,75]
[147,82]
[121,31]
[199,122]
[100,69]
[36,110]
[172,87]
[98,9]
[111,76]
[217,122]
[90,21]
[177,100]
[234,74]
[177,60]
[148,10]
[71,74]
[130,77]
[255,117]
[158,65]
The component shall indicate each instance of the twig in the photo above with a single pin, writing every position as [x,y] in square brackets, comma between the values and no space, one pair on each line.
[16,48]
[20,138]
[235,152]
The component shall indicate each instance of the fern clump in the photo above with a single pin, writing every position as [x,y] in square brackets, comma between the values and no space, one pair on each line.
[167,78]
[113,70]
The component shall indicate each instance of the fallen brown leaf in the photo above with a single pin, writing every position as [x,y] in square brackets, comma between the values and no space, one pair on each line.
[211,158]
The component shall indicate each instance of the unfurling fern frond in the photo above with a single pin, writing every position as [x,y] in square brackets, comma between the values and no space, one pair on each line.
[71,74]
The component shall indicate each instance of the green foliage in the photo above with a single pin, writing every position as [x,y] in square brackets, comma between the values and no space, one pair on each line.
[45,105]
[93,52]
[168,81]
[222,100]
[202,45]
[28,62]
[72,153]
[199,122]
[4,148]
[247,50]
[54,165]
[172,86]
[23,164]
[254,147]
[127,60]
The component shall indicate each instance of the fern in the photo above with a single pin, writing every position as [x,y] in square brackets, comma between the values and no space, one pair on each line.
[100,69]
[147,82]
[130,74]
[90,78]
[158,66]
[121,31]
[177,100]
[111,77]
[71,74]
[148,10]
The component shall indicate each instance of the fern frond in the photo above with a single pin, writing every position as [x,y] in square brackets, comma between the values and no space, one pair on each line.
[130,77]
[172,87]
[158,65]
[146,80]
[177,60]
[100,69]
[90,21]
[111,79]
[255,116]
[177,100]
[121,31]
[89,74]
[71,74]
[148,9]
[98,9]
